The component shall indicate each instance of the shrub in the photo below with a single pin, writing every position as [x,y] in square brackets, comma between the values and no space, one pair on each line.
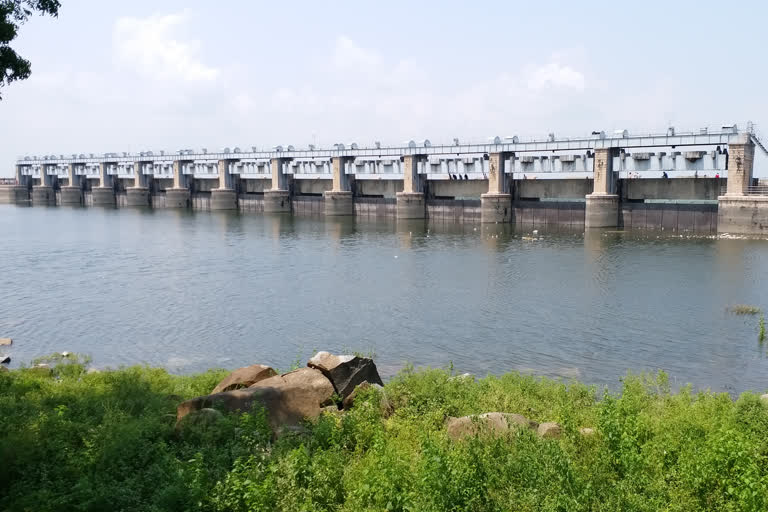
[73,440]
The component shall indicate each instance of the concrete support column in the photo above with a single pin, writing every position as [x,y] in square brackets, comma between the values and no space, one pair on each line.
[602,209]
[339,201]
[72,193]
[43,193]
[104,194]
[178,196]
[278,198]
[138,194]
[410,202]
[15,193]
[224,197]
[740,162]
[496,205]
[738,212]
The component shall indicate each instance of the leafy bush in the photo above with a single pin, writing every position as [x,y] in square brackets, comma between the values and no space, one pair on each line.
[73,440]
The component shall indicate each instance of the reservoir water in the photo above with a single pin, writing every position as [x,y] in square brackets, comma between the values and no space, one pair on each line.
[192,290]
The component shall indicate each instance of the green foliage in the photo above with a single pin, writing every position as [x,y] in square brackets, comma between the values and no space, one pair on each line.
[744,309]
[13,13]
[761,329]
[73,440]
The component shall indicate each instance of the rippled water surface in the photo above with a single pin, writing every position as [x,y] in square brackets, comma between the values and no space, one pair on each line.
[193,290]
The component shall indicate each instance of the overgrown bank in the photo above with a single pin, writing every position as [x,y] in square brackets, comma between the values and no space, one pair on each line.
[72,440]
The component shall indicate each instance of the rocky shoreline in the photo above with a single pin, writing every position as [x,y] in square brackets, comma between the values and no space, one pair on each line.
[330,383]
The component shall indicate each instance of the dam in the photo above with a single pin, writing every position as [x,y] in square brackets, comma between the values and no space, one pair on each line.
[693,181]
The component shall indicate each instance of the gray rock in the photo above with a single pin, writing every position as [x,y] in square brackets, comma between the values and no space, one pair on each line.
[346,372]
[203,417]
[349,401]
[288,399]
[493,424]
[5,359]
[549,430]
[244,377]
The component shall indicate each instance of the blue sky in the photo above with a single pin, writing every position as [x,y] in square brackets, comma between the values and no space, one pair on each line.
[141,75]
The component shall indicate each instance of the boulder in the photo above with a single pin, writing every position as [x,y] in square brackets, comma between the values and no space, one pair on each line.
[288,399]
[345,372]
[203,417]
[5,342]
[5,359]
[587,431]
[349,401]
[764,398]
[494,424]
[549,430]
[244,377]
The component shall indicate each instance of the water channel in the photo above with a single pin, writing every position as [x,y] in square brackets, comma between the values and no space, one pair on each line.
[192,290]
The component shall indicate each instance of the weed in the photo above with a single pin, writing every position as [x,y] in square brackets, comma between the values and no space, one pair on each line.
[744,309]
[106,441]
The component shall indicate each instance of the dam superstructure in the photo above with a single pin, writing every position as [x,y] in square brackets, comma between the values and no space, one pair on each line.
[694,181]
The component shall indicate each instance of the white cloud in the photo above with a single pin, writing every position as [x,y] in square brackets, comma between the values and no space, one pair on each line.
[348,56]
[556,75]
[149,47]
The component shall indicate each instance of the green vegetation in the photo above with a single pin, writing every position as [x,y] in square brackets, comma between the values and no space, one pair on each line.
[13,14]
[744,309]
[761,332]
[72,440]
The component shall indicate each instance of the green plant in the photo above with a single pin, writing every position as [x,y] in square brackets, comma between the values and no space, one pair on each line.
[744,309]
[761,332]
[107,441]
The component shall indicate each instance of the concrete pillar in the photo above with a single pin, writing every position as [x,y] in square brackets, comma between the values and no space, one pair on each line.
[496,204]
[138,194]
[278,198]
[224,197]
[14,193]
[410,202]
[339,201]
[740,162]
[43,193]
[178,196]
[602,209]
[738,212]
[104,194]
[72,194]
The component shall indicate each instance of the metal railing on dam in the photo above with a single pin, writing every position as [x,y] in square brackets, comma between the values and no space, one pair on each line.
[598,140]
[592,178]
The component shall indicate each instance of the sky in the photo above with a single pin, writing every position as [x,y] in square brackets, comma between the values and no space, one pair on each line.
[166,75]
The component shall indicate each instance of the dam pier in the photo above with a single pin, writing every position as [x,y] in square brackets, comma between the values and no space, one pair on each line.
[695,181]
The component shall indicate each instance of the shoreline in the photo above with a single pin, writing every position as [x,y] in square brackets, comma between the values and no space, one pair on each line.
[426,440]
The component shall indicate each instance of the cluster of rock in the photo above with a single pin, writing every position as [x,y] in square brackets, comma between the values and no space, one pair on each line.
[5,359]
[329,382]
[496,424]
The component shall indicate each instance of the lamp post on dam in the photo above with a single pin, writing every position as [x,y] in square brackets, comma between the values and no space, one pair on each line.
[701,181]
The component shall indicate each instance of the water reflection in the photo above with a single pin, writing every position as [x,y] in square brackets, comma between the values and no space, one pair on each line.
[226,288]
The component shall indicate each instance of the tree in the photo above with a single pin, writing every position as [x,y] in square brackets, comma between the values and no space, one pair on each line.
[13,14]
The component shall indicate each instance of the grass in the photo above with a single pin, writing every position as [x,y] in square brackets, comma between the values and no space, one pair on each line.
[744,309]
[73,440]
